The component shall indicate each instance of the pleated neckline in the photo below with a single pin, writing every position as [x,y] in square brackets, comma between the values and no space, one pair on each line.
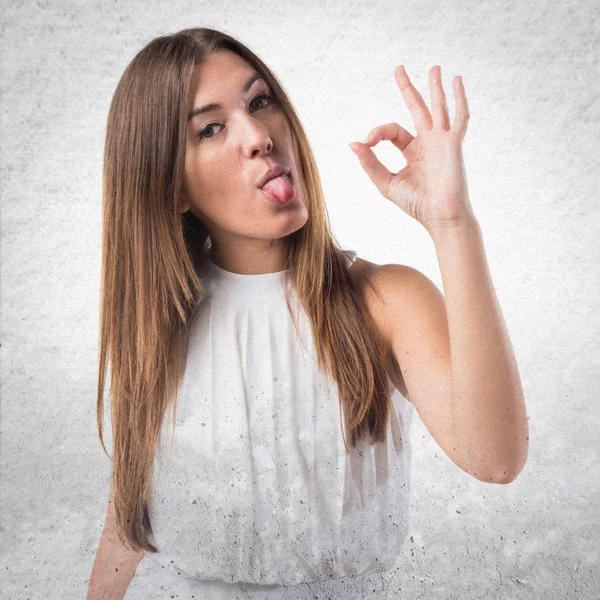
[264,285]
[240,287]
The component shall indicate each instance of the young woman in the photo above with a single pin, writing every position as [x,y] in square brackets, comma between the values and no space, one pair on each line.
[263,379]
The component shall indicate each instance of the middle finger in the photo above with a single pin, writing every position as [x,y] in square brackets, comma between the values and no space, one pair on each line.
[418,109]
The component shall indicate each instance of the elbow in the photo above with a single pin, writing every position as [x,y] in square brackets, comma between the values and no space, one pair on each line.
[505,478]
[510,472]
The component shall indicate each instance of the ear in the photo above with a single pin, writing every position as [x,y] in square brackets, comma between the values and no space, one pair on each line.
[185,204]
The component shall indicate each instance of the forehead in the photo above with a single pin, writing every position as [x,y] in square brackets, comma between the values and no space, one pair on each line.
[218,71]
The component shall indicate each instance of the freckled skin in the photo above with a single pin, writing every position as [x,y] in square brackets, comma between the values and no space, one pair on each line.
[247,136]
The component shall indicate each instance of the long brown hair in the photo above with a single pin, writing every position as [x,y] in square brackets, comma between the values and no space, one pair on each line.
[150,285]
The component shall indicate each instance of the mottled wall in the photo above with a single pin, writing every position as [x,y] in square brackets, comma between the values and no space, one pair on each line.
[531,152]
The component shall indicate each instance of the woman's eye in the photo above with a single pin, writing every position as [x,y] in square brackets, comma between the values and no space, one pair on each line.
[207,128]
[210,126]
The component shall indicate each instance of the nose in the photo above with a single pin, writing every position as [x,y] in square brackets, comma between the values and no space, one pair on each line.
[256,136]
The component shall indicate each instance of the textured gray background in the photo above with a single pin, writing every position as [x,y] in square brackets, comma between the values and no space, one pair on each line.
[531,151]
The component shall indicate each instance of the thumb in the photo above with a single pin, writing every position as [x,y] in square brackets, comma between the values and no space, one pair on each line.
[376,171]
[356,147]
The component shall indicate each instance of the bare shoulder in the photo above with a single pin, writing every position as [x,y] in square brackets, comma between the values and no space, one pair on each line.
[389,283]
[379,284]
[386,287]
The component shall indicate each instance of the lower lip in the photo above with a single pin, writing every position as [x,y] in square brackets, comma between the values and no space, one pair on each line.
[277,200]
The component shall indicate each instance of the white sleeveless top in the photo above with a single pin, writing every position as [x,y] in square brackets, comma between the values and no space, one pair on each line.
[259,487]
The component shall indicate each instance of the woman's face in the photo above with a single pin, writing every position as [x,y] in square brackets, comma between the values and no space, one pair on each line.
[229,149]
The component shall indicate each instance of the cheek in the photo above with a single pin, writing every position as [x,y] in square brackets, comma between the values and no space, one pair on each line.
[210,178]
[223,197]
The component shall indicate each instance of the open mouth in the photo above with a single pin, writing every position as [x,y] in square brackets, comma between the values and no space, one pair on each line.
[280,189]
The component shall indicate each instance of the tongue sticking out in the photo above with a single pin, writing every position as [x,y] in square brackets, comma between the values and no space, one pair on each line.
[279,187]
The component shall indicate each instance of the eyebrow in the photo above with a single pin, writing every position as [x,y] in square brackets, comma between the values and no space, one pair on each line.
[214,106]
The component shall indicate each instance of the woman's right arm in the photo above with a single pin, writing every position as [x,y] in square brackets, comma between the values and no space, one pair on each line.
[114,565]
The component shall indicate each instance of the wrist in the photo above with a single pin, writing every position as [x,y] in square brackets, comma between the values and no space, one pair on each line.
[453,227]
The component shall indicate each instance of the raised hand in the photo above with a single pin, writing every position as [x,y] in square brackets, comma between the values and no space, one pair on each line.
[432,187]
